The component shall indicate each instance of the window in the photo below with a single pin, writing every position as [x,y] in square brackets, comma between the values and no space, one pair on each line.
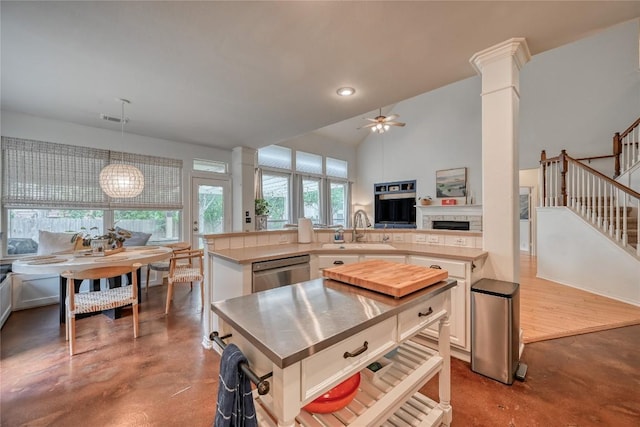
[210,166]
[308,163]
[338,192]
[337,168]
[54,187]
[24,225]
[275,156]
[164,226]
[314,195]
[311,199]
[276,191]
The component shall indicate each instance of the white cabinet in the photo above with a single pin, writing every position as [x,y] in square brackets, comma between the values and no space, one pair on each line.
[327,261]
[465,272]
[5,299]
[392,400]
[34,290]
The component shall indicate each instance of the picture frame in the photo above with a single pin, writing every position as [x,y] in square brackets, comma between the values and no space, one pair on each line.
[451,183]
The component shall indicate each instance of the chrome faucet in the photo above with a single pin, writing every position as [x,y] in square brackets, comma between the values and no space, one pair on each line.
[361,219]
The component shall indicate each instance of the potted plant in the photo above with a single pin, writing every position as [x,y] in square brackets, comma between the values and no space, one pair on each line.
[262,212]
[112,238]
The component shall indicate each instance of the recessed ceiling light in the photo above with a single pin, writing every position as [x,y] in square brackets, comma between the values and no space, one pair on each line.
[346,91]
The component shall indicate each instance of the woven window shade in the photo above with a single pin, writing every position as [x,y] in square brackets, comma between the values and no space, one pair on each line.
[38,174]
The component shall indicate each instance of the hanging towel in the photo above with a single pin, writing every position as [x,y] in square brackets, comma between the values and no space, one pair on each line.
[235,403]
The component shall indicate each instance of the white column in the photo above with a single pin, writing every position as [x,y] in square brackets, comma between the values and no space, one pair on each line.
[500,67]
[243,161]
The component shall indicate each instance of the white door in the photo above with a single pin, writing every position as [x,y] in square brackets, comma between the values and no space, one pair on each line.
[211,208]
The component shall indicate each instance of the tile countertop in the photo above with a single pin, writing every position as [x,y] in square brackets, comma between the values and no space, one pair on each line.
[249,255]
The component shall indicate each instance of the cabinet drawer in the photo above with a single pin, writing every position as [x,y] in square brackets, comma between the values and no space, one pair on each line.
[326,261]
[414,319]
[455,268]
[326,369]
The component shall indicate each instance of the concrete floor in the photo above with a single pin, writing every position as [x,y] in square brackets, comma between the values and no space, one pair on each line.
[166,378]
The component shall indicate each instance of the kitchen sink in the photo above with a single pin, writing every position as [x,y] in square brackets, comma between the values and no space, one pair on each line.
[357,246]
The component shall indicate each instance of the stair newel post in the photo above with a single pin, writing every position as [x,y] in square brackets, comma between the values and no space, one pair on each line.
[563,176]
[543,163]
[617,150]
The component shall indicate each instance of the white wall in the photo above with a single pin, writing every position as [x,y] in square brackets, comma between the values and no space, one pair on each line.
[574,97]
[577,96]
[604,269]
[31,127]
[443,132]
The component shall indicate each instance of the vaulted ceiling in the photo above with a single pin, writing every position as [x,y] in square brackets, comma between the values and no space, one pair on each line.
[229,74]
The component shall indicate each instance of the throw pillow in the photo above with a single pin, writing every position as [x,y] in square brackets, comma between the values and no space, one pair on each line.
[49,242]
[138,238]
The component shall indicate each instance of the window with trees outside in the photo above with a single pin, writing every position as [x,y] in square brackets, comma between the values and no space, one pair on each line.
[276,191]
[54,187]
[320,191]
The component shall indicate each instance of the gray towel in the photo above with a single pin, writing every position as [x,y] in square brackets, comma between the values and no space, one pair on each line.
[235,403]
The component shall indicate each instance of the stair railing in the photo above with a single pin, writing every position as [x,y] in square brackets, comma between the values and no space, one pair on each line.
[606,204]
[626,148]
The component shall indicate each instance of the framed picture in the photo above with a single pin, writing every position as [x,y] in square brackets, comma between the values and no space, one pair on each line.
[451,183]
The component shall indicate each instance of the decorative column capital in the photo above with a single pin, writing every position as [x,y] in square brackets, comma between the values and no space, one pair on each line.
[515,48]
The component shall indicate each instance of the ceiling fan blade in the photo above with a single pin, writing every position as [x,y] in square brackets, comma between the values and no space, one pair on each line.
[395,123]
[391,117]
[367,126]
[371,120]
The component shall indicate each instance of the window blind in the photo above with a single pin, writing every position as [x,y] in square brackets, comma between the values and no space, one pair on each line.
[51,175]
[308,163]
[274,156]
[337,168]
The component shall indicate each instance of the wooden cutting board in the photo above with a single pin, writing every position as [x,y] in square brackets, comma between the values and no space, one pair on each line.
[389,278]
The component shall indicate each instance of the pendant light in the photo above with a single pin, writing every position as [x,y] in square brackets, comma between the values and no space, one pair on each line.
[119,180]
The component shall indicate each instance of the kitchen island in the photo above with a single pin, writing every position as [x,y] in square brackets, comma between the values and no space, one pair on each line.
[313,335]
[229,270]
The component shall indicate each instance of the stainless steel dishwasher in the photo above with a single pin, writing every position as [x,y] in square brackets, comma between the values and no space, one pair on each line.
[280,272]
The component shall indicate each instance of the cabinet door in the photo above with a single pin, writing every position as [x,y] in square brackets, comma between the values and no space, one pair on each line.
[328,261]
[459,297]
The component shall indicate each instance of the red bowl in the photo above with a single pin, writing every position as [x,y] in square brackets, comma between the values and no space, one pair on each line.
[336,398]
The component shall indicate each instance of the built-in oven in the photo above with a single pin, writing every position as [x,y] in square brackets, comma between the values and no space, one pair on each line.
[280,272]
[395,204]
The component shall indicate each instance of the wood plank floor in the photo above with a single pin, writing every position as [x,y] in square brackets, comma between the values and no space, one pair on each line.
[549,310]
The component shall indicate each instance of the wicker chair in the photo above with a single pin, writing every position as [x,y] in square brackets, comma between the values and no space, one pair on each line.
[89,302]
[163,266]
[186,267]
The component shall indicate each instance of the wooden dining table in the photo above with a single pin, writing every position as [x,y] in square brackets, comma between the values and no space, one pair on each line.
[58,263]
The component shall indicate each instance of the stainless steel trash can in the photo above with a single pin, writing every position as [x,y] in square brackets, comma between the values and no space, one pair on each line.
[495,329]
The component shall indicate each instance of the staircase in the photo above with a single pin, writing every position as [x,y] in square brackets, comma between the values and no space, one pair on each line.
[608,205]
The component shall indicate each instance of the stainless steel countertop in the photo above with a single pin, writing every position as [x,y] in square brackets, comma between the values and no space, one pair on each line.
[290,323]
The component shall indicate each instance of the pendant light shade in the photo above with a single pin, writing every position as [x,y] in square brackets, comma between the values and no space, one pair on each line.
[119,180]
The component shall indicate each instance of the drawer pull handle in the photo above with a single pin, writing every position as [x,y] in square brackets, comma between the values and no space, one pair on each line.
[429,312]
[338,262]
[358,352]
[436,266]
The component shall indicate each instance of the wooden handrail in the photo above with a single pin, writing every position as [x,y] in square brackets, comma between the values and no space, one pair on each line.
[606,178]
[630,128]
[564,158]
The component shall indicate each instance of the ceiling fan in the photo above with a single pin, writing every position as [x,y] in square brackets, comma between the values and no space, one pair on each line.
[382,124]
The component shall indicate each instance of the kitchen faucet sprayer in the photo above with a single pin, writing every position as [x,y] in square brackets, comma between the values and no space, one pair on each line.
[361,219]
